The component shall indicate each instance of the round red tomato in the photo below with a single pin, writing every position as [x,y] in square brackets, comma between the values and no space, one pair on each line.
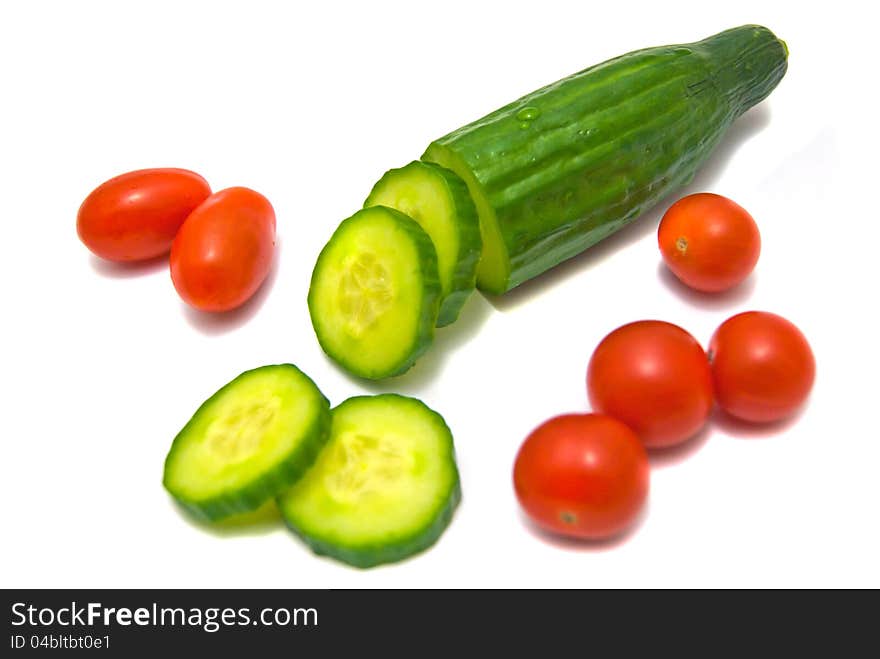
[582,475]
[136,215]
[762,365]
[709,242]
[223,251]
[655,378]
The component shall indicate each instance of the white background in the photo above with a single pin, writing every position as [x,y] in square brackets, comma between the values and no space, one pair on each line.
[310,103]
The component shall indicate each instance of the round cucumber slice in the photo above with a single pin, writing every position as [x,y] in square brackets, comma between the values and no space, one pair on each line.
[375,293]
[385,486]
[247,442]
[439,201]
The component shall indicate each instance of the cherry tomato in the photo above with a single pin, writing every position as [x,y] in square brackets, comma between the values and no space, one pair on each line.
[709,242]
[223,251]
[762,365]
[135,216]
[655,378]
[582,475]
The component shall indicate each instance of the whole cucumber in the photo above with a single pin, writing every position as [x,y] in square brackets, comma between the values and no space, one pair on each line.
[558,170]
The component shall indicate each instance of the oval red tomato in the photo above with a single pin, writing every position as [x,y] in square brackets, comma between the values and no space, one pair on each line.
[136,215]
[654,377]
[762,365]
[223,252]
[709,242]
[582,475]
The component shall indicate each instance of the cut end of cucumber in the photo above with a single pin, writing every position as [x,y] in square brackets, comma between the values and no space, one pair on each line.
[247,442]
[493,270]
[385,487]
[375,292]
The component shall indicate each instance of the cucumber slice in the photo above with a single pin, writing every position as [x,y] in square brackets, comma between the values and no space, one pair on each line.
[384,488]
[439,201]
[375,293]
[247,442]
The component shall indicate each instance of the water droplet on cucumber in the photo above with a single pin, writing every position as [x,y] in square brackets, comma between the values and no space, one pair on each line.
[526,115]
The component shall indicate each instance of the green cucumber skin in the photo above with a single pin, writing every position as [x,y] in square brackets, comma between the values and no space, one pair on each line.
[252,495]
[367,557]
[430,299]
[468,226]
[607,143]
[470,248]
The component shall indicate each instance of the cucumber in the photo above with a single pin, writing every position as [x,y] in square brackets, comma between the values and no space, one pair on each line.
[384,488]
[375,293]
[440,202]
[248,442]
[562,168]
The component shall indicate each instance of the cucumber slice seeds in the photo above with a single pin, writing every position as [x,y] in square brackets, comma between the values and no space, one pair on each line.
[247,442]
[375,293]
[384,487]
[439,201]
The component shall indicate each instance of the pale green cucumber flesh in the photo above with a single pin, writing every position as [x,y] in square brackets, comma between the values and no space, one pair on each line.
[375,293]
[250,440]
[385,486]
[439,201]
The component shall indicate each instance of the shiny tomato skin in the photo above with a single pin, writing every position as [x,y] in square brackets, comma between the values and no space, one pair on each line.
[654,377]
[136,215]
[762,365]
[582,475]
[709,242]
[223,252]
